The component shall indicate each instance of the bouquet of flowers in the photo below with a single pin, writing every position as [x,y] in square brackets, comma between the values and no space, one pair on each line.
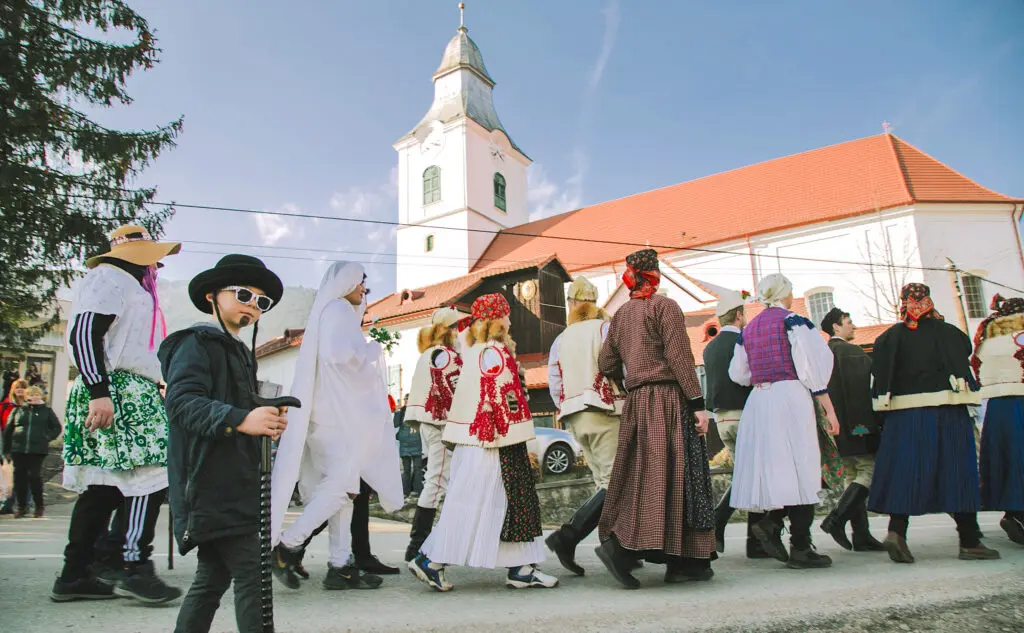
[387,339]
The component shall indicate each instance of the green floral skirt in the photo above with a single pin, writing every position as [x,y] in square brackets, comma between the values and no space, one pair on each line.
[832,469]
[138,436]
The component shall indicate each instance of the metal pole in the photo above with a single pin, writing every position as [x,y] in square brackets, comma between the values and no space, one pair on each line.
[954,280]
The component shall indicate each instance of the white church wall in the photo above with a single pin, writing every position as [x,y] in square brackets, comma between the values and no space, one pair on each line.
[979,239]
[448,259]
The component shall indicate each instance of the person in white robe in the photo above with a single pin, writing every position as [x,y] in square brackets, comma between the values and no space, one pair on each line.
[778,467]
[345,436]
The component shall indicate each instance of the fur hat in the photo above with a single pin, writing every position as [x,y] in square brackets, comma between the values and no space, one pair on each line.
[582,290]
[447,317]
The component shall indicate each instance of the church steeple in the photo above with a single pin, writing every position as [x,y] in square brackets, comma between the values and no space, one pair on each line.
[460,175]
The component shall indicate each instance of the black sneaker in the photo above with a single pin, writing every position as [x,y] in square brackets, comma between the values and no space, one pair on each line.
[106,573]
[807,559]
[141,583]
[284,560]
[372,565]
[349,577]
[1014,529]
[87,588]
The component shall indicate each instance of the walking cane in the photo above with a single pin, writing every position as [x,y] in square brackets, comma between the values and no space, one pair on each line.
[266,576]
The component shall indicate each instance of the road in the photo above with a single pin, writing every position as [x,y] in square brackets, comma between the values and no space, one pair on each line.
[862,592]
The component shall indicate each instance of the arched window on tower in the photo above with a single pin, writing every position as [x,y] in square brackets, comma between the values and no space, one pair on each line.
[431,184]
[499,191]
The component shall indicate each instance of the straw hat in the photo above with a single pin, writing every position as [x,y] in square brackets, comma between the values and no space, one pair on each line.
[134,244]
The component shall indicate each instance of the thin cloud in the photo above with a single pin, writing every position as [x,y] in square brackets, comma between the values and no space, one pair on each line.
[274,228]
[544,197]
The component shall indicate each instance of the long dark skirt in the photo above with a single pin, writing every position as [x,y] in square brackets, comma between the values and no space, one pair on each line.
[1002,455]
[926,463]
[659,497]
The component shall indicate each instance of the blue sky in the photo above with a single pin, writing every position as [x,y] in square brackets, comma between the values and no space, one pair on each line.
[294,106]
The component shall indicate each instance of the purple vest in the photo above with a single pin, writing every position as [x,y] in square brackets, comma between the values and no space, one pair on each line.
[769,354]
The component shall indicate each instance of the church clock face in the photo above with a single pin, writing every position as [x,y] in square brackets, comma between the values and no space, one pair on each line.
[434,143]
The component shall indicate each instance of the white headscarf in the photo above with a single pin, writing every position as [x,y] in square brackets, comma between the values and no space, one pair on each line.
[773,289]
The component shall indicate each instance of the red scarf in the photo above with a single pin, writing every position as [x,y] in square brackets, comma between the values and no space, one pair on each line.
[641,283]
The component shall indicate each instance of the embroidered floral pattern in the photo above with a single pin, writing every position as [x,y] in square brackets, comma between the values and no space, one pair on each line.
[522,513]
[603,387]
[442,389]
[138,436]
[832,469]
[494,413]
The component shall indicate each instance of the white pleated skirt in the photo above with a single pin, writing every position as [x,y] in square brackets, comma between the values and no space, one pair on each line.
[469,530]
[778,461]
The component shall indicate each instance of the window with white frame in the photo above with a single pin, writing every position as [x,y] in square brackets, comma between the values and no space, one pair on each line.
[974,296]
[819,302]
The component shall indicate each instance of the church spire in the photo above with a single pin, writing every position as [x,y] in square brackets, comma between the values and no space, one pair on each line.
[462,15]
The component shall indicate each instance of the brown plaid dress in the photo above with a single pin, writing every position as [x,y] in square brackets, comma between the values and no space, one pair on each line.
[659,498]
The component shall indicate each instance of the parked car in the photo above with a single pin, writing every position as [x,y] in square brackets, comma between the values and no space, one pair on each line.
[556,450]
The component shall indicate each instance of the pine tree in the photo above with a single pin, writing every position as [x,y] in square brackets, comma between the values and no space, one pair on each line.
[65,179]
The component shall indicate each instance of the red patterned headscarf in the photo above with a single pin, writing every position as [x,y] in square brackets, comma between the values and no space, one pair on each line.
[916,305]
[1000,308]
[642,275]
[486,308]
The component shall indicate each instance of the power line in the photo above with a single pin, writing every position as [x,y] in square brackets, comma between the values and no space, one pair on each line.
[517,234]
[672,247]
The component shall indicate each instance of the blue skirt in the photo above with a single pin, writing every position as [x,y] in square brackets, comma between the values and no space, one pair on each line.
[926,463]
[1002,455]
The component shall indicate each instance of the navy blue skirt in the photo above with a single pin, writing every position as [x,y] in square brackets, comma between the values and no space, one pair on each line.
[926,463]
[1002,455]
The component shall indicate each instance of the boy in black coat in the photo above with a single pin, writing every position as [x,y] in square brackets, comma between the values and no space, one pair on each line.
[214,440]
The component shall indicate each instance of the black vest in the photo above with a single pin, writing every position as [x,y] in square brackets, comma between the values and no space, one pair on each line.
[722,393]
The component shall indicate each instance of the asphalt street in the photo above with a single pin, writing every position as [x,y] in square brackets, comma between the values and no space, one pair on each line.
[743,596]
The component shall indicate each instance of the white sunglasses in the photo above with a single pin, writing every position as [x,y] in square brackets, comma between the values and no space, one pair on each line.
[248,297]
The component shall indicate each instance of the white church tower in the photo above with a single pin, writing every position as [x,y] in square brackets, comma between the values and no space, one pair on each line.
[460,176]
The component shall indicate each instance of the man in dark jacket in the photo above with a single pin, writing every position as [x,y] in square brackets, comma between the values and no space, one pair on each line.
[850,390]
[214,441]
[27,438]
[726,399]
[410,449]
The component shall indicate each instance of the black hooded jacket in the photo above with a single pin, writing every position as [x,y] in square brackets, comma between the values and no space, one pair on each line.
[213,470]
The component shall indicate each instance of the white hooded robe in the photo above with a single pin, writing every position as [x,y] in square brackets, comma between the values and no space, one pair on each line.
[344,431]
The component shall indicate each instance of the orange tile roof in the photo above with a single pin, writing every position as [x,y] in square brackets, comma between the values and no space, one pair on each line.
[830,183]
[392,310]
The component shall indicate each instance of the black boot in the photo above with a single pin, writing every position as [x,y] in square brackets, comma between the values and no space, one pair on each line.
[863,541]
[422,524]
[619,562]
[835,523]
[768,532]
[723,512]
[564,540]
[754,548]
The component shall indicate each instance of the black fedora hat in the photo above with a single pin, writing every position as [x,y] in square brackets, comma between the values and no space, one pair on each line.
[234,270]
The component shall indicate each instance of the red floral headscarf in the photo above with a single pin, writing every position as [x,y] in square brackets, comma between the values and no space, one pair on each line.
[486,308]
[916,305]
[642,275]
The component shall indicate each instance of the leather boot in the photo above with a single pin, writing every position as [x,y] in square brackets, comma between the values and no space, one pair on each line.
[863,541]
[619,562]
[422,524]
[754,548]
[564,540]
[723,512]
[835,523]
